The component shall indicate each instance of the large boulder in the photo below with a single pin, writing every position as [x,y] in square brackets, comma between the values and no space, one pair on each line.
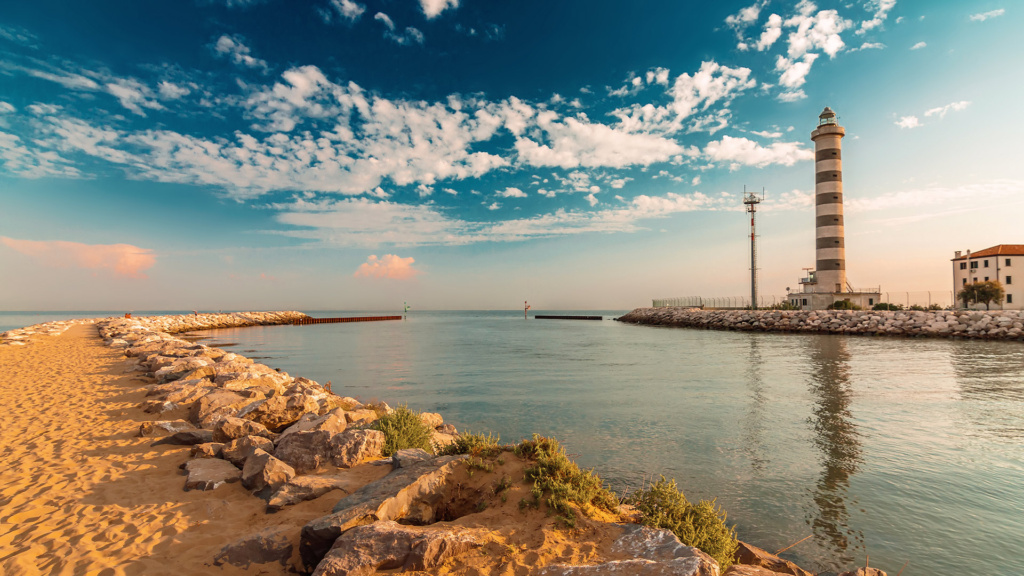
[217,403]
[164,427]
[279,412]
[302,488]
[230,428]
[388,545]
[210,473]
[360,416]
[333,421]
[306,451]
[237,451]
[354,446]
[864,572]
[207,450]
[264,474]
[186,438]
[751,555]
[180,367]
[413,494]
[649,552]
[431,419]
[272,545]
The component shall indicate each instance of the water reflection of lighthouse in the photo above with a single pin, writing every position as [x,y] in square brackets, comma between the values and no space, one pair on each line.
[837,439]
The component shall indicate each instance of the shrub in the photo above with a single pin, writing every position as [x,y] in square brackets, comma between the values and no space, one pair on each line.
[844,305]
[935,307]
[473,444]
[918,308]
[402,429]
[887,306]
[701,526]
[562,480]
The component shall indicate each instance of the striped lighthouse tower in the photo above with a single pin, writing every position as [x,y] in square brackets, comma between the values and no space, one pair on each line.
[828,201]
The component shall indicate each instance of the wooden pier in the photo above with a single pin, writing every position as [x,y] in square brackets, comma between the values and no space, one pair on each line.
[305,321]
[542,317]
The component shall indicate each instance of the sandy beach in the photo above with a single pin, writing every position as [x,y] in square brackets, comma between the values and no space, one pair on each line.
[80,493]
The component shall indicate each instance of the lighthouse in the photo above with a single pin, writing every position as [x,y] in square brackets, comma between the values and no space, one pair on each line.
[830,244]
[826,283]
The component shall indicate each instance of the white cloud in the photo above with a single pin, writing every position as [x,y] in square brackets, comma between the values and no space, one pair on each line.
[982,16]
[658,76]
[743,152]
[869,46]
[133,95]
[20,160]
[406,38]
[591,199]
[792,95]
[388,266]
[745,17]
[235,49]
[575,141]
[433,8]
[511,192]
[919,45]
[122,259]
[348,9]
[953,107]
[450,191]
[772,32]
[947,199]
[882,8]
[18,35]
[794,73]
[6,107]
[821,31]
[695,181]
[172,91]
[382,17]
[908,122]
[494,206]
[619,183]
[766,134]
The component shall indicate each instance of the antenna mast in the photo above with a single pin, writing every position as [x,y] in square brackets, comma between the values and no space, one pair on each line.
[751,200]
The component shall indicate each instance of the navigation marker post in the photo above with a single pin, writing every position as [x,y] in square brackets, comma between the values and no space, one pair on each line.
[405,313]
[751,200]
[526,306]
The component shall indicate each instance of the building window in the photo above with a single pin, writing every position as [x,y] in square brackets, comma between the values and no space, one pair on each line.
[1009,279]
[974,264]
[1007,261]
[986,263]
[805,302]
[1009,298]
[965,281]
[986,278]
[871,301]
[963,265]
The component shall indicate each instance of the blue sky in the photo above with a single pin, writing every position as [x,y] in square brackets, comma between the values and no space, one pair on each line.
[462,154]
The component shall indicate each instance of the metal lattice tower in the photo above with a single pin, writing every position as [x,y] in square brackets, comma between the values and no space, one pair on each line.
[751,200]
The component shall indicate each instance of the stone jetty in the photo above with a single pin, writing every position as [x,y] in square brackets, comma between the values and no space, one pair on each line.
[974,324]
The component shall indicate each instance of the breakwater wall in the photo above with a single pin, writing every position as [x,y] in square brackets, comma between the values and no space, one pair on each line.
[983,325]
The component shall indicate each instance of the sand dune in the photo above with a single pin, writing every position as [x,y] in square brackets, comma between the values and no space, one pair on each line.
[81,494]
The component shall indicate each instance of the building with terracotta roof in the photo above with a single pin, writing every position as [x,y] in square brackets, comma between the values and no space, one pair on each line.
[1000,263]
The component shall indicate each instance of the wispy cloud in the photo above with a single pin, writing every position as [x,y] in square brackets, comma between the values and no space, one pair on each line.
[409,36]
[345,9]
[389,267]
[433,8]
[919,45]
[953,107]
[121,259]
[234,48]
[908,122]
[982,16]
[738,152]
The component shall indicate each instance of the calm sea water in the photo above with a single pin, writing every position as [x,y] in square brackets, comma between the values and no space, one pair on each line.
[901,449]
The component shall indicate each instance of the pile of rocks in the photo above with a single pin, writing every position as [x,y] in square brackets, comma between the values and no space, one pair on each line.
[988,325]
[22,336]
[245,421]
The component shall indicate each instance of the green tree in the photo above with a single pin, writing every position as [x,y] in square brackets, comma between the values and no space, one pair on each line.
[968,295]
[990,291]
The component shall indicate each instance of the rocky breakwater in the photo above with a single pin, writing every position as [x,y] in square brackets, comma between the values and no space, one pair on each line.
[471,507]
[23,336]
[983,325]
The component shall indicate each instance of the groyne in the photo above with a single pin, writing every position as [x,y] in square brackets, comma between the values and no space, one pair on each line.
[973,324]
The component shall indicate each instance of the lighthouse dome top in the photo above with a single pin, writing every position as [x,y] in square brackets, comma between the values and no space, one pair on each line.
[827,116]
